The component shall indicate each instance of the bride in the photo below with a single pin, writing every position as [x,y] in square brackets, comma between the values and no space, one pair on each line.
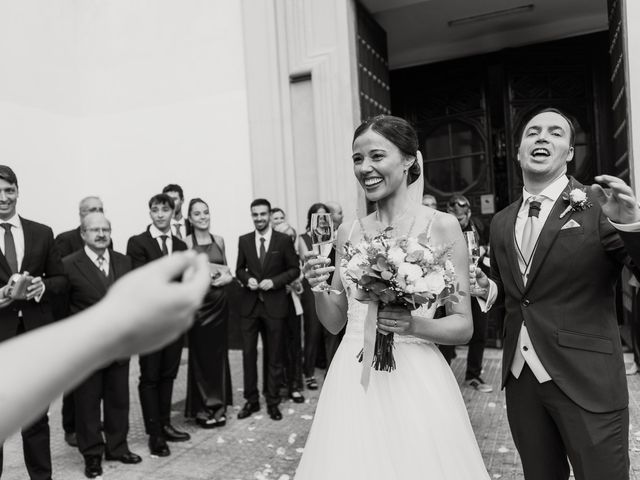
[410,422]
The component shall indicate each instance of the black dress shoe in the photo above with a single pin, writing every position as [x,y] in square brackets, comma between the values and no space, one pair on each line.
[127,457]
[93,466]
[274,412]
[248,409]
[71,439]
[158,446]
[297,397]
[172,434]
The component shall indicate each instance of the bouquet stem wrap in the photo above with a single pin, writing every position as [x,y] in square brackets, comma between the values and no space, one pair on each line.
[368,348]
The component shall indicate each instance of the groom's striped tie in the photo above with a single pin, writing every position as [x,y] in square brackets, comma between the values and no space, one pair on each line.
[530,235]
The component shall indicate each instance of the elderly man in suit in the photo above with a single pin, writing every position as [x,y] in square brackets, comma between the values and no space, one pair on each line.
[158,370]
[267,262]
[28,246]
[556,255]
[90,272]
[67,243]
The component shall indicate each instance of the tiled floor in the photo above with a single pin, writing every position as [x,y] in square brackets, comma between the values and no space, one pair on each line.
[259,448]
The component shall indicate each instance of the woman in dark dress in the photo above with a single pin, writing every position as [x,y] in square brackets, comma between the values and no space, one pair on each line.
[209,377]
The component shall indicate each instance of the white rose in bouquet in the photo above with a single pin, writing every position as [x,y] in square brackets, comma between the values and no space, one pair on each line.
[396,256]
[410,272]
[435,282]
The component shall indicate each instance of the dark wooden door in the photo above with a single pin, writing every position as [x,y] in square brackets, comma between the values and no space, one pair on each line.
[469,113]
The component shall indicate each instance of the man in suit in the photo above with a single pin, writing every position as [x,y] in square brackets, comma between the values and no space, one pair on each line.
[180,226]
[90,273]
[267,262]
[158,370]
[556,255]
[67,243]
[28,246]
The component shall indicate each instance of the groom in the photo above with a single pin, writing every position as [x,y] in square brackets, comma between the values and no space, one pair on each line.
[555,260]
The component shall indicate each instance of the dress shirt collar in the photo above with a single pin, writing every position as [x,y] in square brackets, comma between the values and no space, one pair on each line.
[14,221]
[266,235]
[155,233]
[551,192]
[93,256]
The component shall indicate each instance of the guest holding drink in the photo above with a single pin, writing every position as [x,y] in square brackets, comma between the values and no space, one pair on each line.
[312,326]
[209,377]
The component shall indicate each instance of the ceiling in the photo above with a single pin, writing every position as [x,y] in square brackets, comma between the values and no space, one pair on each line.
[418,31]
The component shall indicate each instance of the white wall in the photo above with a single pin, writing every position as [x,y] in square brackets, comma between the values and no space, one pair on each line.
[633,62]
[118,99]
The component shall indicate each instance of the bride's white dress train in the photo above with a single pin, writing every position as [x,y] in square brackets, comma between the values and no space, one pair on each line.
[410,424]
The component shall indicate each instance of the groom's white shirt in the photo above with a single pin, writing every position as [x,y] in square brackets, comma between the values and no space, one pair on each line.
[526,353]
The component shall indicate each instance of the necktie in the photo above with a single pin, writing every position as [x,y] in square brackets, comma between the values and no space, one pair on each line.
[178,232]
[531,232]
[165,250]
[10,248]
[101,261]
[263,251]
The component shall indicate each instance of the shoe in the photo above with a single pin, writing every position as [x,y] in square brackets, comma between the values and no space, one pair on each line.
[312,384]
[274,412]
[632,369]
[479,385]
[212,422]
[127,457]
[71,439]
[297,397]
[92,466]
[158,446]
[248,409]
[172,434]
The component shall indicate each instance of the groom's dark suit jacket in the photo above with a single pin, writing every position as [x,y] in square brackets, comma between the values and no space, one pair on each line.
[281,265]
[41,259]
[568,303]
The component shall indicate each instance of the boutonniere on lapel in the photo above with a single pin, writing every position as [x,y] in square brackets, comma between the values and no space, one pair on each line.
[577,200]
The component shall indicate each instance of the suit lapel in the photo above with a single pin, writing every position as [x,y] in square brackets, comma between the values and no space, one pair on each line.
[510,243]
[269,250]
[90,272]
[29,238]
[549,233]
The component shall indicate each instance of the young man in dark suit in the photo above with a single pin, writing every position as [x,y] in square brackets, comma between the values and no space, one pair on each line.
[556,255]
[90,272]
[267,262]
[159,369]
[67,243]
[28,246]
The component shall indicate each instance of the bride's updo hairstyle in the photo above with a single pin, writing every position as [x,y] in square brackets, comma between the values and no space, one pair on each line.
[399,132]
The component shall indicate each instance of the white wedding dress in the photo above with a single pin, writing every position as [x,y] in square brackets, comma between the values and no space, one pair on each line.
[411,423]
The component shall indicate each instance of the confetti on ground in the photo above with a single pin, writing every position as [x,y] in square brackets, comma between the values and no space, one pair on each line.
[291,411]
[251,439]
[251,429]
[496,475]
[503,450]
[284,477]
[306,417]
[292,438]
[258,417]
[220,440]
[270,445]
[491,405]
[299,450]
[280,451]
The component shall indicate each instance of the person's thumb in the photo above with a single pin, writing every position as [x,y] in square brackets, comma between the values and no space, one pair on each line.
[599,194]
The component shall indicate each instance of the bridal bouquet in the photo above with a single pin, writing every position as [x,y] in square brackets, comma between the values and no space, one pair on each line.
[405,271]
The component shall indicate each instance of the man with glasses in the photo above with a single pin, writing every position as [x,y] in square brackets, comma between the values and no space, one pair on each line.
[459,207]
[67,243]
[90,272]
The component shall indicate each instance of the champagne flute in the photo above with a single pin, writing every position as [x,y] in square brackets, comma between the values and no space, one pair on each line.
[322,239]
[471,237]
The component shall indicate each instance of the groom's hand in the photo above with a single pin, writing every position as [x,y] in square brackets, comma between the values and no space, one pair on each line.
[618,202]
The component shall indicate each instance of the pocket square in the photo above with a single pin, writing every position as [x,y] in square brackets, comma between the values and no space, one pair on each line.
[570,224]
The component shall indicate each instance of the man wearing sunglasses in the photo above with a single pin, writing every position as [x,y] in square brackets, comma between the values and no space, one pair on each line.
[459,207]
